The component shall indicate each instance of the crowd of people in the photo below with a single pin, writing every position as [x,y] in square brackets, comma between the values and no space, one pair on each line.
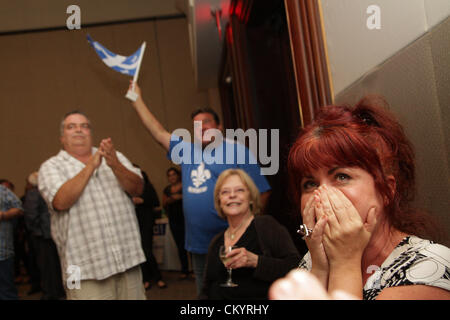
[352,176]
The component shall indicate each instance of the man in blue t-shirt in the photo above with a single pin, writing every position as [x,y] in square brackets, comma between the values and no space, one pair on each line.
[201,161]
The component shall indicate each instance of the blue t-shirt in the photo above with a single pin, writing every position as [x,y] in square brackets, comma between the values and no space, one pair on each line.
[199,171]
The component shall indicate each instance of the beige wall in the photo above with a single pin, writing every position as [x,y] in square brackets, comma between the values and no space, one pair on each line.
[355,50]
[415,83]
[46,74]
[39,14]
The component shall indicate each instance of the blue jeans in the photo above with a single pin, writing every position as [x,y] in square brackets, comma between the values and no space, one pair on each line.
[8,290]
[198,266]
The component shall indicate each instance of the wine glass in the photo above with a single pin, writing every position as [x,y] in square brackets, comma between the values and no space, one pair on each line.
[223,251]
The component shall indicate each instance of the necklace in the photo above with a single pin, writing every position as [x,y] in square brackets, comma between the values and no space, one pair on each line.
[231,234]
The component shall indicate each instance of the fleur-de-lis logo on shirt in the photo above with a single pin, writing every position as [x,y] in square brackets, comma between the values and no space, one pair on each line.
[200,175]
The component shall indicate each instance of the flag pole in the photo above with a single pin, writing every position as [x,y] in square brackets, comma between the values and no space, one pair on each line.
[136,74]
[131,94]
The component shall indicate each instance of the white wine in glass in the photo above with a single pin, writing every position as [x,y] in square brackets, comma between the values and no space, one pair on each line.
[223,251]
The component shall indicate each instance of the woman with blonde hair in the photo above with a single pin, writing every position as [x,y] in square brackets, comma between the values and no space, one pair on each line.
[261,249]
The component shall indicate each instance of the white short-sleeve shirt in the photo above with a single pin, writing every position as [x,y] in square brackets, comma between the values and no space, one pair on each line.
[99,233]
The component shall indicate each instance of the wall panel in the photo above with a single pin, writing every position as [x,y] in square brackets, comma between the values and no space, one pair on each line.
[46,74]
[415,84]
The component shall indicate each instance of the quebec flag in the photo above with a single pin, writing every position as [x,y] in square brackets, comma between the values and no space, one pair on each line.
[126,65]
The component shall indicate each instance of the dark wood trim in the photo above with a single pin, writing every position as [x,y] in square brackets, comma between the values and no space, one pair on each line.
[308,55]
[240,71]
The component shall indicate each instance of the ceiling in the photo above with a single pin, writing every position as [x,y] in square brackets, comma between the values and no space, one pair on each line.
[206,44]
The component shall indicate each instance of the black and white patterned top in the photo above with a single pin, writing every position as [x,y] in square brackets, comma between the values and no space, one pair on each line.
[414,261]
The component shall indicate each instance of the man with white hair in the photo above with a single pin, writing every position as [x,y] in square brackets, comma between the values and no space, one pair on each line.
[93,221]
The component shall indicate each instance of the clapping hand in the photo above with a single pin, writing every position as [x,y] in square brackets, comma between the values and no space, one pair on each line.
[96,159]
[108,152]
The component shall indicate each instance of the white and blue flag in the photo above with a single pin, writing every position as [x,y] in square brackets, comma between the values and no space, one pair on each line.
[126,65]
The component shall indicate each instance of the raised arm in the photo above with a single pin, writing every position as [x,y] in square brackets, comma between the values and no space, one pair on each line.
[158,132]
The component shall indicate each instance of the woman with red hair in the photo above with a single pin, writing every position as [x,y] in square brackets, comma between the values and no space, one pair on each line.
[352,174]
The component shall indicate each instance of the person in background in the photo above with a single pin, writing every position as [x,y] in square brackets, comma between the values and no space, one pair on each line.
[173,204]
[26,250]
[146,205]
[199,178]
[353,174]
[10,208]
[264,250]
[88,191]
[37,220]
[25,265]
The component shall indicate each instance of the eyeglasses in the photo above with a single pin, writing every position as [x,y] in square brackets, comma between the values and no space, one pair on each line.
[85,126]
[226,192]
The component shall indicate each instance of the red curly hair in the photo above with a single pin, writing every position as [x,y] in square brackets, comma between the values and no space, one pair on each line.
[369,137]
